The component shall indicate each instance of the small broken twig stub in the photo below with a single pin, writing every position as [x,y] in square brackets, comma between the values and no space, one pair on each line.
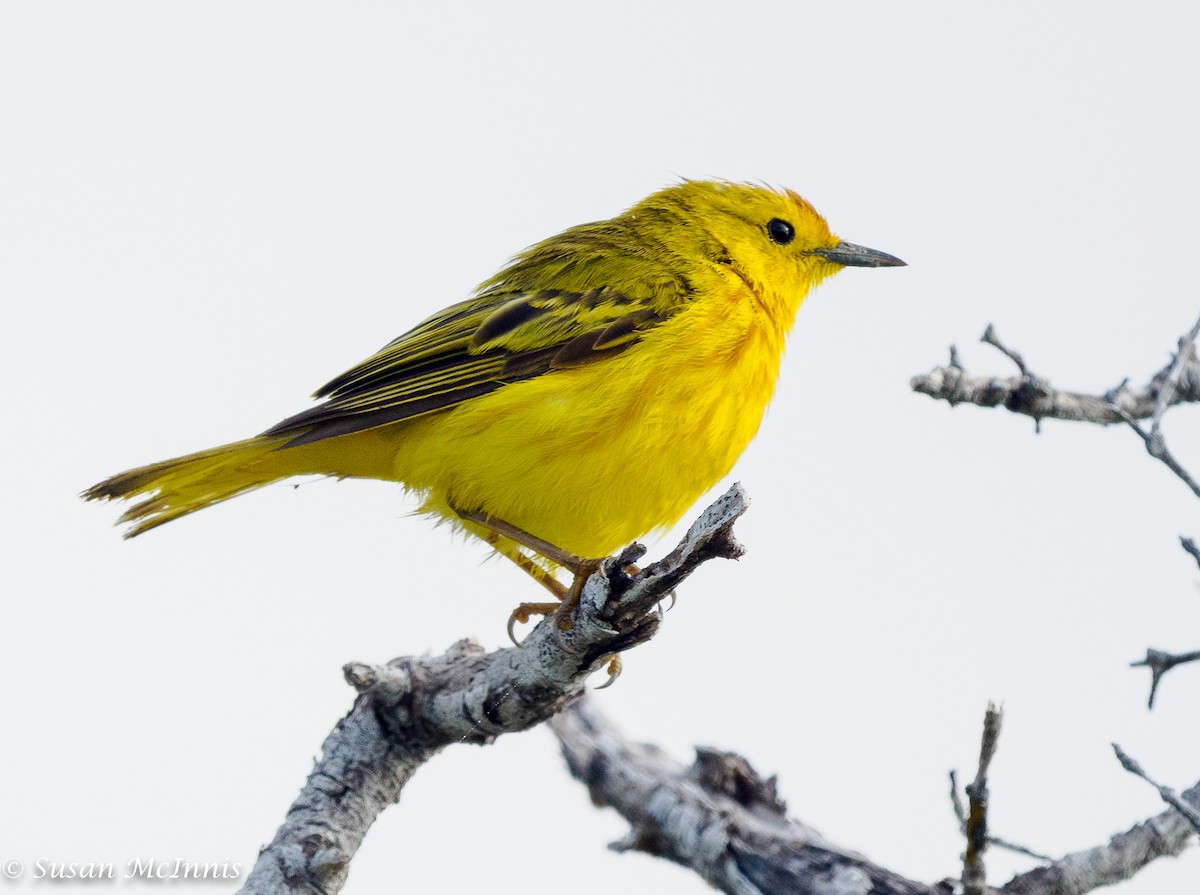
[1160,663]
[974,876]
[411,708]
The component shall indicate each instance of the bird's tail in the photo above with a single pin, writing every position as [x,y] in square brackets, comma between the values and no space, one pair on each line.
[174,488]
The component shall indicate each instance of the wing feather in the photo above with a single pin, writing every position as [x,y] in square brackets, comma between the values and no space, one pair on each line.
[495,341]
[582,296]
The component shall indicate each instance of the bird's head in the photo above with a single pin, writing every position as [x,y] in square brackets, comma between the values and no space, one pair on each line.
[774,240]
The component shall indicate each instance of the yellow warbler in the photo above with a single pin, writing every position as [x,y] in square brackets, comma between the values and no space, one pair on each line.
[586,395]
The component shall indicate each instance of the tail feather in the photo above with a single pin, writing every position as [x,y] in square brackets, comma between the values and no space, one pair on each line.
[174,488]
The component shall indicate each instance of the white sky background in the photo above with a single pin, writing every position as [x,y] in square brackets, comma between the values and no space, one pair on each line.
[209,209]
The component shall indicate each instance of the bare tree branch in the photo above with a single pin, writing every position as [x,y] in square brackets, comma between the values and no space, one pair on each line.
[1185,357]
[1177,382]
[1156,444]
[960,812]
[974,876]
[412,708]
[718,817]
[1033,396]
[990,337]
[1190,546]
[722,820]
[1120,859]
[1159,664]
[1156,447]
[1158,661]
[1167,794]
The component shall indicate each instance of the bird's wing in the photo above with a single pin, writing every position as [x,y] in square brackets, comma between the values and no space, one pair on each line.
[473,348]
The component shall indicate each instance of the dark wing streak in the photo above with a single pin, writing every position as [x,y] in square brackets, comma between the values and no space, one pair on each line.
[402,397]
[412,348]
[447,359]
[393,394]
[510,316]
[454,325]
[394,381]
[347,424]
[604,340]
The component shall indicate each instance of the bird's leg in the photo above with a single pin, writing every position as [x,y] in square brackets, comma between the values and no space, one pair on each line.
[525,611]
[581,567]
[499,531]
[568,597]
[570,561]
[529,567]
[571,599]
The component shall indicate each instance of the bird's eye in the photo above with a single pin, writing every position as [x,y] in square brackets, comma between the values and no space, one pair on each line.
[780,231]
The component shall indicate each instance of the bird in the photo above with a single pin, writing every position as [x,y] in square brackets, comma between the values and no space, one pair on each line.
[583,397]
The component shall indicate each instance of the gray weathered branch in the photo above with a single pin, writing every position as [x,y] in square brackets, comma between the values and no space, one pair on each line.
[1167,794]
[1190,548]
[722,820]
[960,812]
[1169,381]
[974,878]
[1121,858]
[1160,663]
[411,708]
[718,817]
[1031,395]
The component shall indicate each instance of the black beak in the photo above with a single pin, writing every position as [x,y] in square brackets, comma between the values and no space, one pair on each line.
[850,255]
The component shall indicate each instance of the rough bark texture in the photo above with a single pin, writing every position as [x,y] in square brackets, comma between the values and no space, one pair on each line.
[725,822]
[974,876]
[411,708]
[1120,859]
[1034,396]
[718,817]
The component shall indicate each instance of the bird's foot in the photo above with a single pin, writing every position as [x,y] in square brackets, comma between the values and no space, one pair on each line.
[614,671]
[583,571]
[525,612]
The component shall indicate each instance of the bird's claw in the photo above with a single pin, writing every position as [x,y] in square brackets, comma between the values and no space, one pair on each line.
[524,613]
[614,671]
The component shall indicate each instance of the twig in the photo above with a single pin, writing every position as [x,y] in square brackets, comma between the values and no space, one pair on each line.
[719,818]
[994,841]
[412,708]
[1034,396]
[1190,546]
[1160,663]
[989,337]
[723,821]
[1167,794]
[1156,446]
[974,876]
[1170,384]
[1166,384]
[1120,859]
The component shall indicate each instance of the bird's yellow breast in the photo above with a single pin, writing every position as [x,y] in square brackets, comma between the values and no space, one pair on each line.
[590,458]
